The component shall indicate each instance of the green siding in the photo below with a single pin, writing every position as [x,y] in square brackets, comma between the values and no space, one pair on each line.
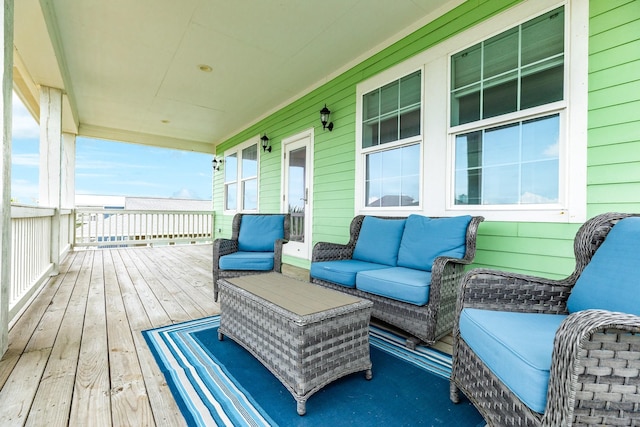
[534,248]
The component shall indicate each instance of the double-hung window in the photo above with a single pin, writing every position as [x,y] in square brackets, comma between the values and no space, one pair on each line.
[507,112]
[241,178]
[491,121]
[390,143]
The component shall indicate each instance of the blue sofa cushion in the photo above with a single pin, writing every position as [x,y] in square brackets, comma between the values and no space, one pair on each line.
[398,283]
[517,347]
[425,238]
[342,272]
[258,233]
[609,281]
[261,261]
[379,240]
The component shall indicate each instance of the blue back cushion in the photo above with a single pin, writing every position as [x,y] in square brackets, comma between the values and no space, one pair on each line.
[258,233]
[609,281]
[425,238]
[379,240]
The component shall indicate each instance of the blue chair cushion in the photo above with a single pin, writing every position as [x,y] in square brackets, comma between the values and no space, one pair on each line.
[258,233]
[609,281]
[398,283]
[260,261]
[517,347]
[379,240]
[425,238]
[342,272]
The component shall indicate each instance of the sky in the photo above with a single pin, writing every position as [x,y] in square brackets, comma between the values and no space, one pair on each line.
[108,167]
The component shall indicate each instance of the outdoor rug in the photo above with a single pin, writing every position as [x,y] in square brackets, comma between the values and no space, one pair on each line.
[219,383]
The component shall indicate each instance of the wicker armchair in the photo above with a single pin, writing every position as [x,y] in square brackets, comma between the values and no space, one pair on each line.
[426,323]
[222,247]
[594,376]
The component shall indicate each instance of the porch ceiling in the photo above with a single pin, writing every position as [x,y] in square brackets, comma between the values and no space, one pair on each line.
[130,70]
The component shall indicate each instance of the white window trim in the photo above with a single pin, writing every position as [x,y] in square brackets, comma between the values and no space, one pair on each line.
[437,175]
[240,200]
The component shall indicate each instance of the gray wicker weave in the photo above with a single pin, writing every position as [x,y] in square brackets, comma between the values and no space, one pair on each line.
[223,247]
[307,336]
[427,323]
[595,372]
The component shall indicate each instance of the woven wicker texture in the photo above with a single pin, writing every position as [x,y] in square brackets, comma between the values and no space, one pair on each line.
[223,247]
[304,352]
[595,371]
[427,323]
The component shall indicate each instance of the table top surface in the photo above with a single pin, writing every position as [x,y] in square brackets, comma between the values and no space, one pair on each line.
[301,298]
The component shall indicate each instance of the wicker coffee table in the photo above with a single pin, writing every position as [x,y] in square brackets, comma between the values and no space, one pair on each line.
[306,335]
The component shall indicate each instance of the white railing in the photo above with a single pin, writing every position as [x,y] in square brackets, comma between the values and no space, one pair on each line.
[32,252]
[108,228]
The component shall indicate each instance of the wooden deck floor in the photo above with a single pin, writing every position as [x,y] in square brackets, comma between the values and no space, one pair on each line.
[76,355]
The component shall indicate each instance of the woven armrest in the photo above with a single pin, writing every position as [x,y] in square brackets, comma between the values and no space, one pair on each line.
[505,291]
[594,370]
[326,251]
[223,247]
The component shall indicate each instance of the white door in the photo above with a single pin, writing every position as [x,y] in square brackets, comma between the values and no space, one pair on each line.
[297,164]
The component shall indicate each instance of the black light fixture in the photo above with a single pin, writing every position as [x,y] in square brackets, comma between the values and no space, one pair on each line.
[264,139]
[324,118]
[216,163]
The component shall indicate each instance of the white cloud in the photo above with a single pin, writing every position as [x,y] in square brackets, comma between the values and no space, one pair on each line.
[32,160]
[23,124]
[24,192]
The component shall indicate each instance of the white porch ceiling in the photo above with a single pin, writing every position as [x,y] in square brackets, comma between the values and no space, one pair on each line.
[130,69]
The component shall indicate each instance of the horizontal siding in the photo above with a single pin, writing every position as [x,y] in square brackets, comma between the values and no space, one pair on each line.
[613,174]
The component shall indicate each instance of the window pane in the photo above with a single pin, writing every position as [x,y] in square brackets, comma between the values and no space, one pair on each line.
[501,145]
[465,106]
[392,112]
[371,105]
[520,68]
[543,37]
[409,123]
[513,164]
[543,87]
[250,195]
[389,98]
[231,197]
[501,54]
[231,168]
[500,97]
[393,177]
[370,134]
[466,66]
[410,90]
[250,161]
[389,129]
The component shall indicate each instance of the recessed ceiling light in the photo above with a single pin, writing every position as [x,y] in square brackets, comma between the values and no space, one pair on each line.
[205,68]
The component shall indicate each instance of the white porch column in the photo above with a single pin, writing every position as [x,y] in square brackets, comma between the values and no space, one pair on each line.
[51,162]
[68,182]
[6,69]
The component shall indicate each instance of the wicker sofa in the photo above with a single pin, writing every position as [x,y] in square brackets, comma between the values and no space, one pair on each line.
[408,267]
[530,351]
[255,246]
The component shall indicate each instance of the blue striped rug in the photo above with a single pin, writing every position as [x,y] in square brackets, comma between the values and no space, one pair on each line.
[219,383]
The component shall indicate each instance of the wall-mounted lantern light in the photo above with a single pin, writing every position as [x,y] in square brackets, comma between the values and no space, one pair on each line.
[324,118]
[216,163]
[264,139]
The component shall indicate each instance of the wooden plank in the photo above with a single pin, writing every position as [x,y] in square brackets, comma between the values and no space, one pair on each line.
[129,401]
[168,297]
[17,394]
[165,410]
[91,404]
[153,308]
